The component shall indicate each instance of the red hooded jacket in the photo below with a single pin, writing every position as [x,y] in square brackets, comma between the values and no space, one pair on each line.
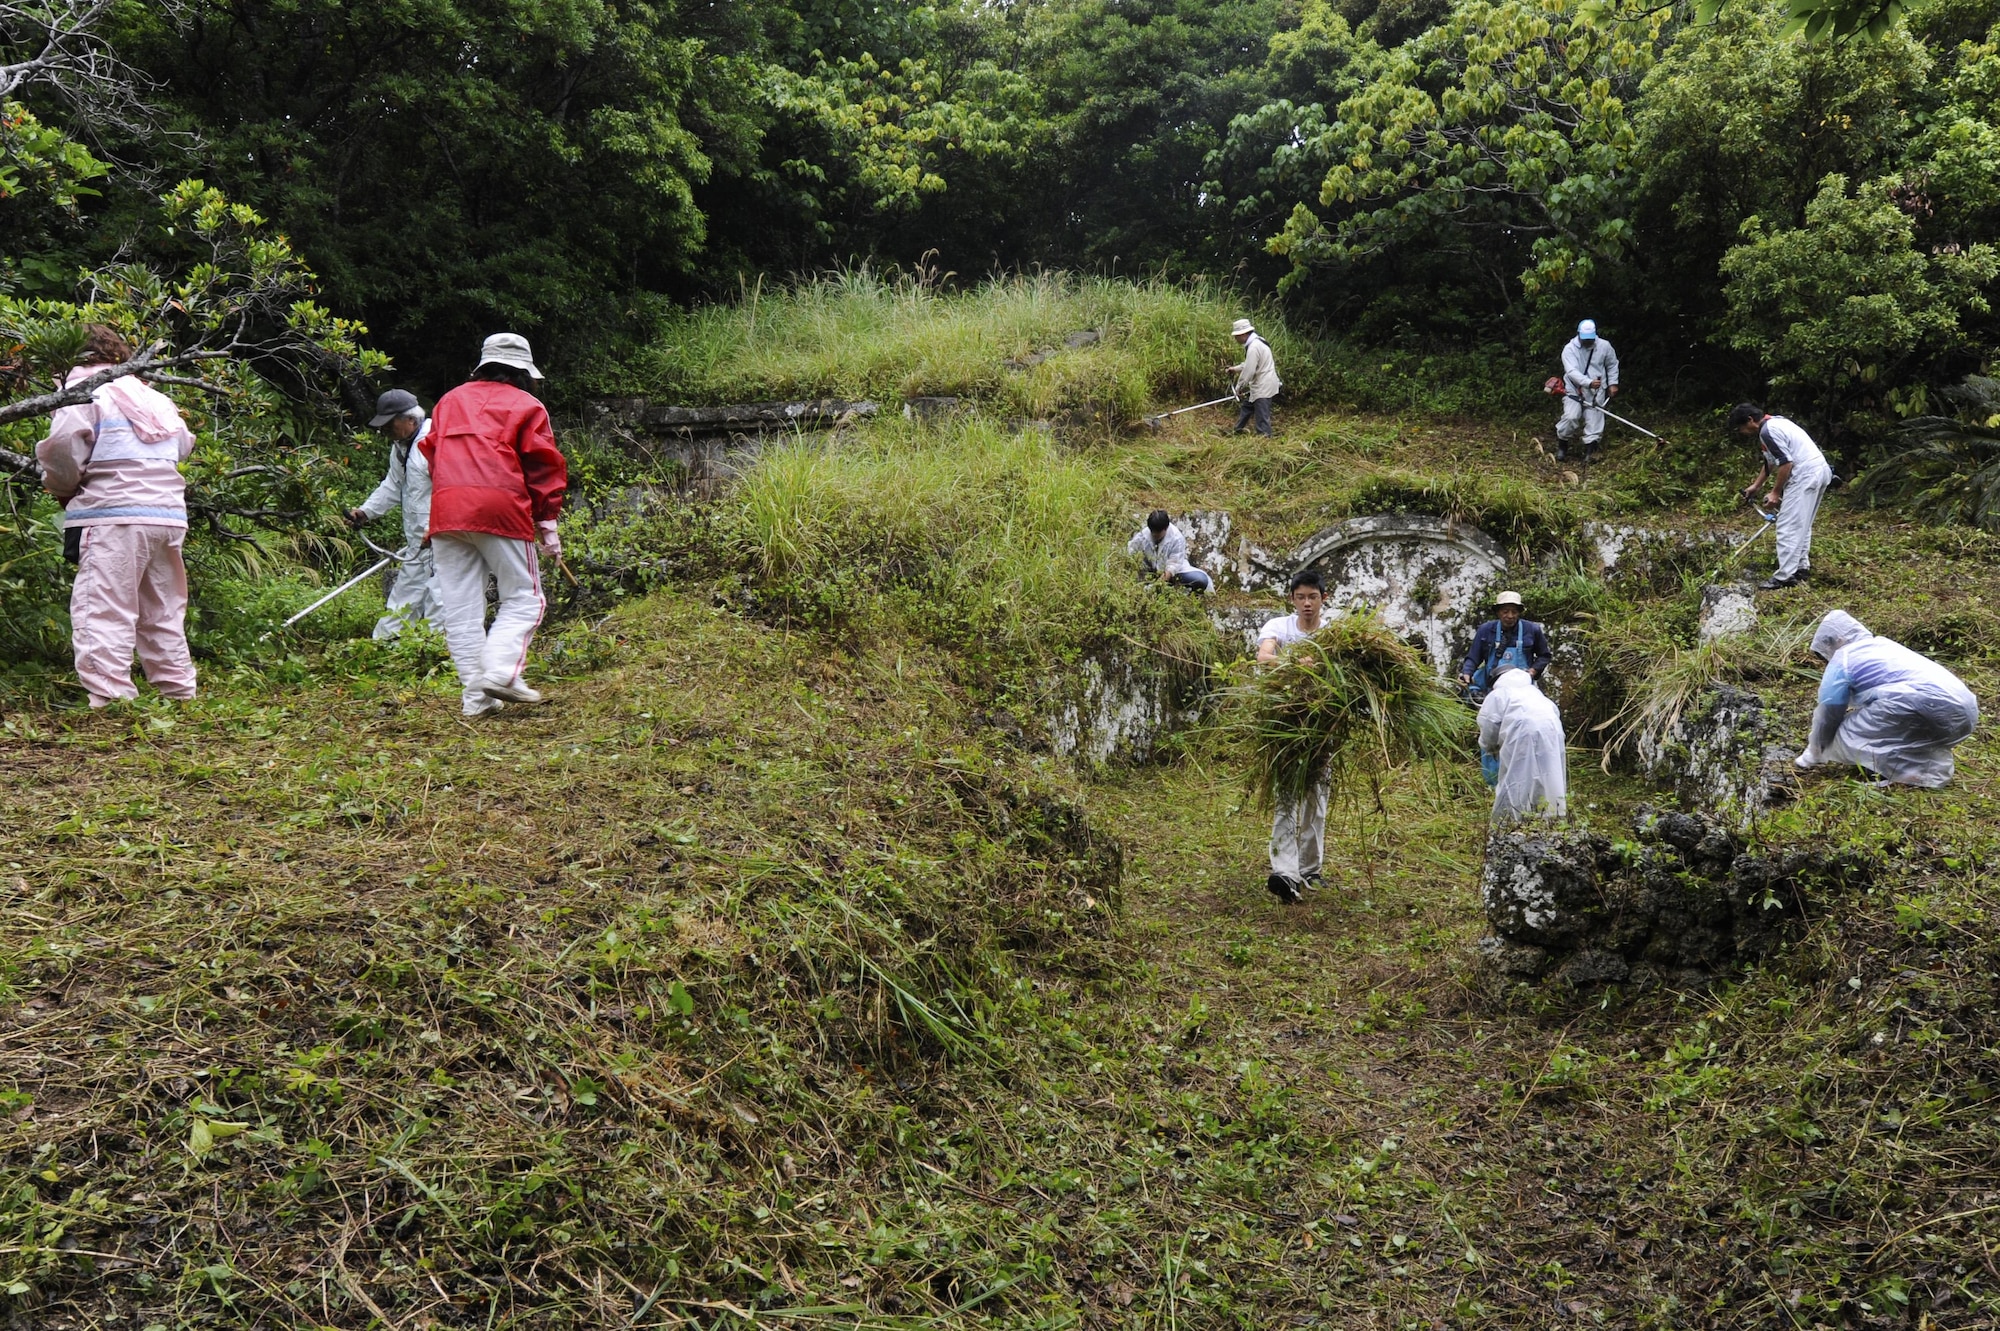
[494,462]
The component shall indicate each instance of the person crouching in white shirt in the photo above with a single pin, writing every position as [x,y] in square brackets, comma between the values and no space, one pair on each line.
[1165,551]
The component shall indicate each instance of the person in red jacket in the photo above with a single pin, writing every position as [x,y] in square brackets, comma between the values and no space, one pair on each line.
[497,484]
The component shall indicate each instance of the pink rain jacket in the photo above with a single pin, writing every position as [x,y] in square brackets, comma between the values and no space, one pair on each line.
[116,460]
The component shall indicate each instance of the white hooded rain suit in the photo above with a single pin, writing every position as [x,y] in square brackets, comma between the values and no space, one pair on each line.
[408,485]
[1885,707]
[1520,724]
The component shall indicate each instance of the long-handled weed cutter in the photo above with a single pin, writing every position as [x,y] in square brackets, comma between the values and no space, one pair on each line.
[394,557]
[1555,387]
[1153,422]
[1770,523]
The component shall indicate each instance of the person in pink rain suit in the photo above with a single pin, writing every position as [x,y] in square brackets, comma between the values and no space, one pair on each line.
[115,464]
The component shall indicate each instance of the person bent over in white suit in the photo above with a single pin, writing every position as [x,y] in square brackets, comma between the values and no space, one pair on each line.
[1521,725]
[1886,708]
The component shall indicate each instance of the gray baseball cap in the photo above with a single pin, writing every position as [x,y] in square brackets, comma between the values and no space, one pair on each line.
[391,405]
[509,349]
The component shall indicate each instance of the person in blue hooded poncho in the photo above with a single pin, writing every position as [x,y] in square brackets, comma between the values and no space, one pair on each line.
[1886,708]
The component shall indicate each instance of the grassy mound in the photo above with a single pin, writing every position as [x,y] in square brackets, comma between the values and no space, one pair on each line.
[1007,342]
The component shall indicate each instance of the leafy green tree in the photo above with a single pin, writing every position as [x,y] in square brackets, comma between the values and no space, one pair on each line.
[1741,118]
[1501,135]
[455,167]
[1846,305]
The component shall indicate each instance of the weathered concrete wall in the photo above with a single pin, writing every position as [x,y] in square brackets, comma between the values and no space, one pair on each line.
[1683,905]
[1113,710]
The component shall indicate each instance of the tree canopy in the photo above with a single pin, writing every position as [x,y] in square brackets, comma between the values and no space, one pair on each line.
[1480,172]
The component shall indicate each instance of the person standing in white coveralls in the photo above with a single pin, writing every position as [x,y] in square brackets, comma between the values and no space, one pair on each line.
[1590,381]
[1256,378]
[497,487]
[1521,726]
[1298,832]
[1797,474]
[407,485]
[1886,708]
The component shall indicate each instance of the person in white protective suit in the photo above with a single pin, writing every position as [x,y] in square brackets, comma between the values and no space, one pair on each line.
[406,485]
[1797,474]
[1521,726]
[1590,381]
[1886,708]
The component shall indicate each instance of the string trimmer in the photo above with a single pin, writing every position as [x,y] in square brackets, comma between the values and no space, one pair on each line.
[1153,422]
[1555,387]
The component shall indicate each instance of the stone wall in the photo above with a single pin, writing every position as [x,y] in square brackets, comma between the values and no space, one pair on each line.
[1681,904]
[1724,757]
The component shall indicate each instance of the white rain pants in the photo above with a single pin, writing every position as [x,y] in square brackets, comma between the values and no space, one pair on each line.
[1905,732]
[1796,509]
[1520,724]
[1298,837]
[412,597]
[482,655]
[1578,418]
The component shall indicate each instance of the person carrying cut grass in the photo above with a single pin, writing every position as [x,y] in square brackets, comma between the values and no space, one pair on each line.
[1298,831]
[497,486]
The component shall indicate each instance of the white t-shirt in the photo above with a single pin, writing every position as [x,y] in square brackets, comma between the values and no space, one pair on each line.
[1287,631]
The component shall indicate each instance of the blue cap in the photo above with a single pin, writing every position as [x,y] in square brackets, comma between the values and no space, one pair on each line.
[1587,331]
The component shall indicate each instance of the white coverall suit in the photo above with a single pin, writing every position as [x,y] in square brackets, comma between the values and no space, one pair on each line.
[1886,708]
[1521,724]
[408,485]
[1784,441]
[1583,406]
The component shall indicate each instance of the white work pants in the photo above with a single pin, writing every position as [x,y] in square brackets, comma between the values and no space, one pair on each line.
[413,597]
[1578,417]
[482,655]
[1298,837]
[1796,508]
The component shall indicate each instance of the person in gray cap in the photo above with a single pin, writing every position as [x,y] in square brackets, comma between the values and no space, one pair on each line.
[406,485]
[497,487]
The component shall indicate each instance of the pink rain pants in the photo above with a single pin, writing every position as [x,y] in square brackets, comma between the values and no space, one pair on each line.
[131,593]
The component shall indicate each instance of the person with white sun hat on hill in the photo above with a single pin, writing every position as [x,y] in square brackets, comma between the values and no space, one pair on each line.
[1256,377]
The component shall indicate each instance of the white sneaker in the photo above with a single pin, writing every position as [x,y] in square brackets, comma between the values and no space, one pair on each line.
[491,705]
[513,690]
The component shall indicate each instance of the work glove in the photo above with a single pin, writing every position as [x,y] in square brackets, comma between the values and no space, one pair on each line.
[548,539]
[356,518]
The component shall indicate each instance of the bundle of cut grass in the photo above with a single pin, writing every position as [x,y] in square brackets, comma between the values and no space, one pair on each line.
[1347,705]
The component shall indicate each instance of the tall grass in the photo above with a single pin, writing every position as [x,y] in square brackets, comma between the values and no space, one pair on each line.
[862,333]
[1001,544]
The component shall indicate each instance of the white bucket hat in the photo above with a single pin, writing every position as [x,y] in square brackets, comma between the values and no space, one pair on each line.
[1507,598]
[509,349]
[1242,326]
